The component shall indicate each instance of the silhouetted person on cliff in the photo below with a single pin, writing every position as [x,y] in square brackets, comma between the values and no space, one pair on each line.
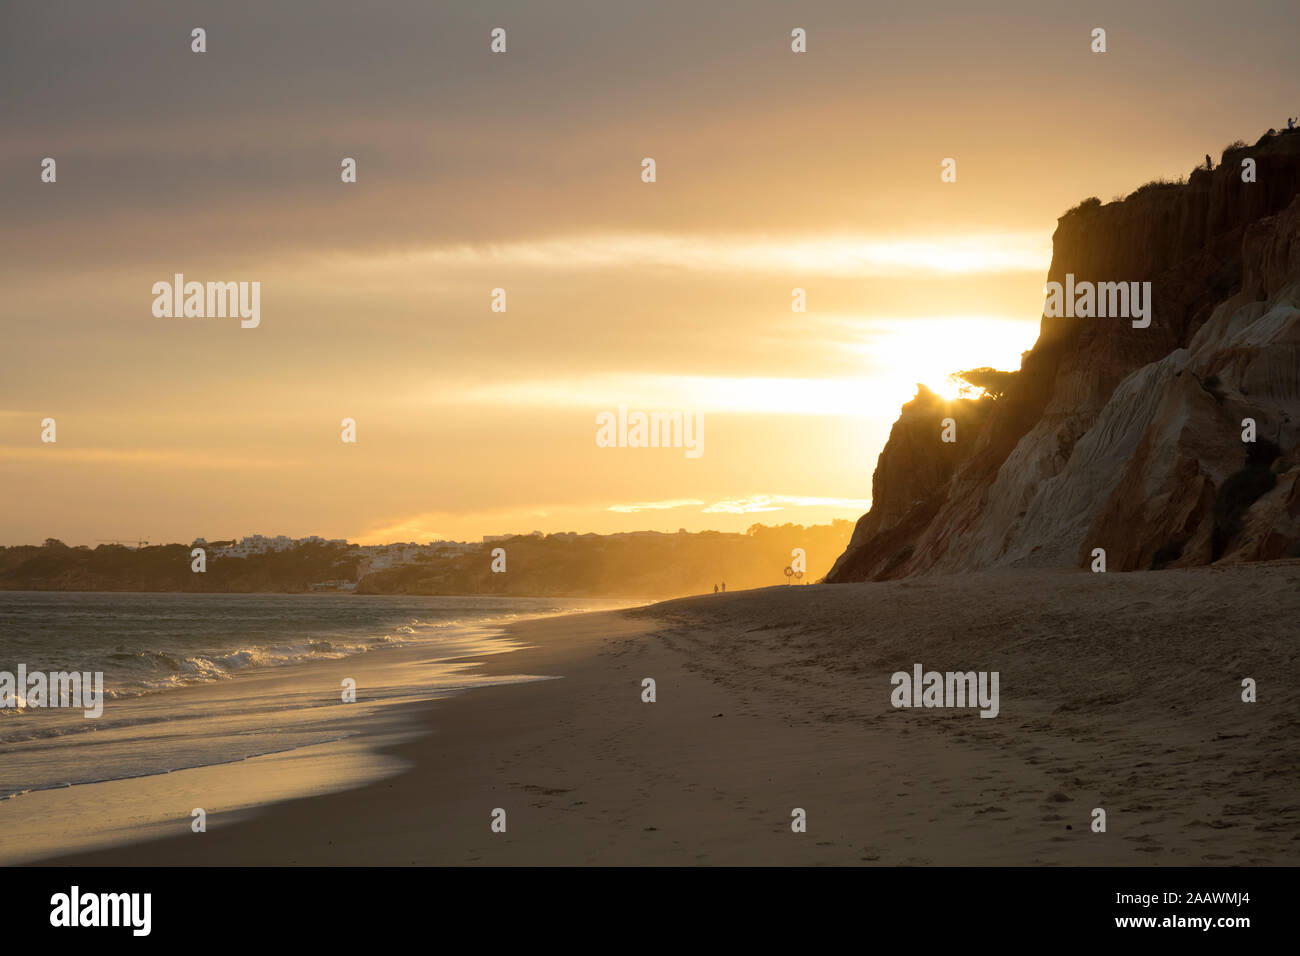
[715,589]
[1290,123]
[1209,163]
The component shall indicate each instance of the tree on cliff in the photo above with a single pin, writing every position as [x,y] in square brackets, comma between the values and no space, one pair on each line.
[988,381]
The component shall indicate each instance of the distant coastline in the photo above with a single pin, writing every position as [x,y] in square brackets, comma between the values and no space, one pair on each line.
[645,564]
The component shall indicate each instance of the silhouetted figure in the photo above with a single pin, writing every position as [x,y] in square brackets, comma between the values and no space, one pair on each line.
[715,589]
[1290,122]
[1209,163]
[724,587]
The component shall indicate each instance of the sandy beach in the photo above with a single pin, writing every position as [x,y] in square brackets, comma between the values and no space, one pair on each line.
[1123,693]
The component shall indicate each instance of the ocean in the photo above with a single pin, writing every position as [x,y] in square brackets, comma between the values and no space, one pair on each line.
[192,680]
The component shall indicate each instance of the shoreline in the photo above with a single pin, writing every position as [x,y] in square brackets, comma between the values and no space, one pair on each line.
[1122,695]
[315,743]
[395,746]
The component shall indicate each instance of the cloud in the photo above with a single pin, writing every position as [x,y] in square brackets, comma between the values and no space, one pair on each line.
[750,505]
[760,503]
[655,505]
[843,256]
[694,393]
[59,453]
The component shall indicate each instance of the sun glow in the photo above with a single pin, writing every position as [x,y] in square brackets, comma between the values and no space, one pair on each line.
[905,351]
[897,353]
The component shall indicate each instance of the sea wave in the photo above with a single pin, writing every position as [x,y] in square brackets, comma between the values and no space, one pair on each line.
[163,664]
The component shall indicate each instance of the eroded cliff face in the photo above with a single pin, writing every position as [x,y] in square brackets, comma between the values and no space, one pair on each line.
[1121,438]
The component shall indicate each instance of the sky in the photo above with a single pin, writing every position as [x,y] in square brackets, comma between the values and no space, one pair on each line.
[522,171]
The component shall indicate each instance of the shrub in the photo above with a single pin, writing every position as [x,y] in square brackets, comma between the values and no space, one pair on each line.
[1092,202]
[1157,184]
[1238,144]
[992,382]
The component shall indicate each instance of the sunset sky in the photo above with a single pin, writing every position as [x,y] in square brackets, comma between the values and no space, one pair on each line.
[523,171]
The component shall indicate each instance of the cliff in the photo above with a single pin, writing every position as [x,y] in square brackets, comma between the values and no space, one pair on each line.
[1121,438]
